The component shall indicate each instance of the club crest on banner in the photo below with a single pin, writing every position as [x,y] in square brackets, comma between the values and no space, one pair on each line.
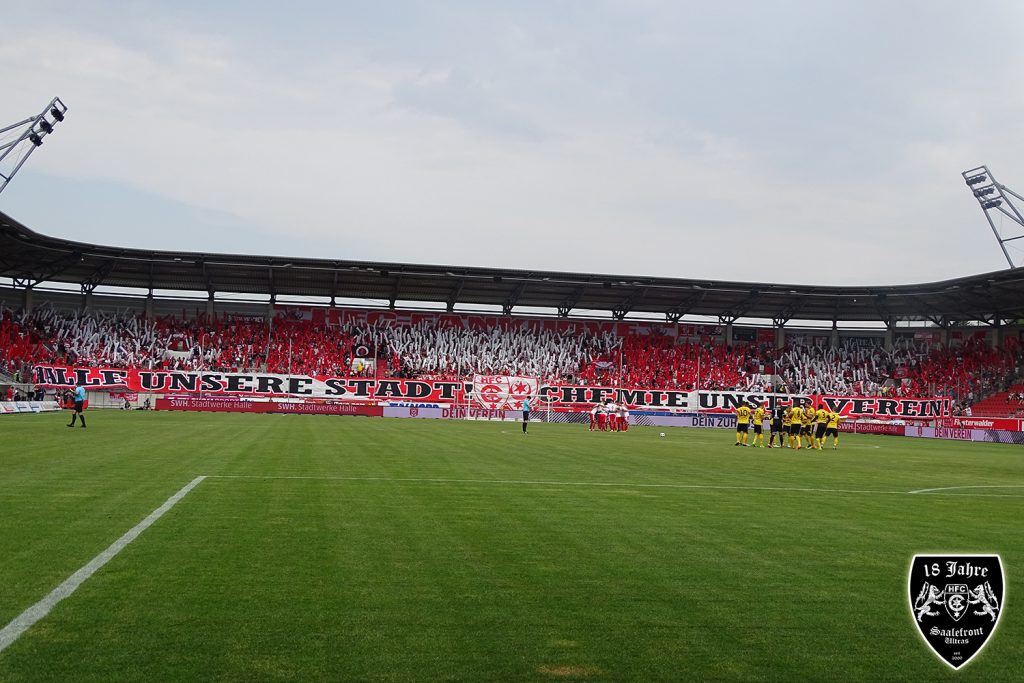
[956,601]
[504,392]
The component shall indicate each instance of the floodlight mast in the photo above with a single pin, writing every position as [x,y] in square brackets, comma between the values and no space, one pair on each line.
[992,196]
[19,140]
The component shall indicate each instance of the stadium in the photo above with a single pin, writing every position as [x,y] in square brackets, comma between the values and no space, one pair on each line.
[459,548]
[231,466]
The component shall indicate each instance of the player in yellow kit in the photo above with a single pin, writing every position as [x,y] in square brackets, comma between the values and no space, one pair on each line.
[820,419]
[759,427]
[784,434]
[796,416]
[806,423]
[832,429]
[742,425]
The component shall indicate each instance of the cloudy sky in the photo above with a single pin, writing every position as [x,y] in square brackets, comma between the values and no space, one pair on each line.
[802,141]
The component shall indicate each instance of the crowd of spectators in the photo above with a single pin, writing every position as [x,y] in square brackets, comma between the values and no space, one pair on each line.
[968,372]
[662,361]
[429,350]
[436,350]
[851,368]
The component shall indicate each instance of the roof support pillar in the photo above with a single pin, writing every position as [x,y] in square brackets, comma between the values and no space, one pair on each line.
[890,333]
[727,321]
[998,332]
[209,305]
[944,336]
[835,334]
[780,334]
[86,298]
[26,299]
[149,304]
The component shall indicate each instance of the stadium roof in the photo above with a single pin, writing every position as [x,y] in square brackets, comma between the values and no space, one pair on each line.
[30,258]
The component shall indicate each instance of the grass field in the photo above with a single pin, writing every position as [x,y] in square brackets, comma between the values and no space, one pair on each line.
[375,549]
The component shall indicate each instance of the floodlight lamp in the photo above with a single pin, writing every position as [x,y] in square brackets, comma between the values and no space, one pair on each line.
[984,192]
[35,139]
[991,204]
[57,114]
[975,179]
[45,126]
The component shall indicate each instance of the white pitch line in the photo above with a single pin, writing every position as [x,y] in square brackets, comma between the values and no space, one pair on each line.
[531,482]
[976,486]
[29,617]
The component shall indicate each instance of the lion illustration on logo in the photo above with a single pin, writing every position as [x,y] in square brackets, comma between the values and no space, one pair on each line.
[984,595]
[929,595]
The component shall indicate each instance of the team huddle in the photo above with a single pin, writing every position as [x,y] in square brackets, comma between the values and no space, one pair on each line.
[794,426]
[609,416]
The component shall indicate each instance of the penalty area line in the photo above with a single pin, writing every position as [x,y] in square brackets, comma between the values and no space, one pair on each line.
[24,621]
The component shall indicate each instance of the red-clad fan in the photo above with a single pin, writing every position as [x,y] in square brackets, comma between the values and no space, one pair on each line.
[593,417]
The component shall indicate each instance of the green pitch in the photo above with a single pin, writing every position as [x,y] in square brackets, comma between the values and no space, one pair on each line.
[398,550]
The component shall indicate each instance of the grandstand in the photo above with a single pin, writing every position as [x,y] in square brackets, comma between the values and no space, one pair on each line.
[77,303]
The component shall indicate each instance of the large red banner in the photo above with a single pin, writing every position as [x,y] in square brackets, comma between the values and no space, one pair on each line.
[372,390]
[253,384]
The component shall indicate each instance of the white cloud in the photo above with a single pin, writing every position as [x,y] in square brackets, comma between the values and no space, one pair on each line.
[648,141]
